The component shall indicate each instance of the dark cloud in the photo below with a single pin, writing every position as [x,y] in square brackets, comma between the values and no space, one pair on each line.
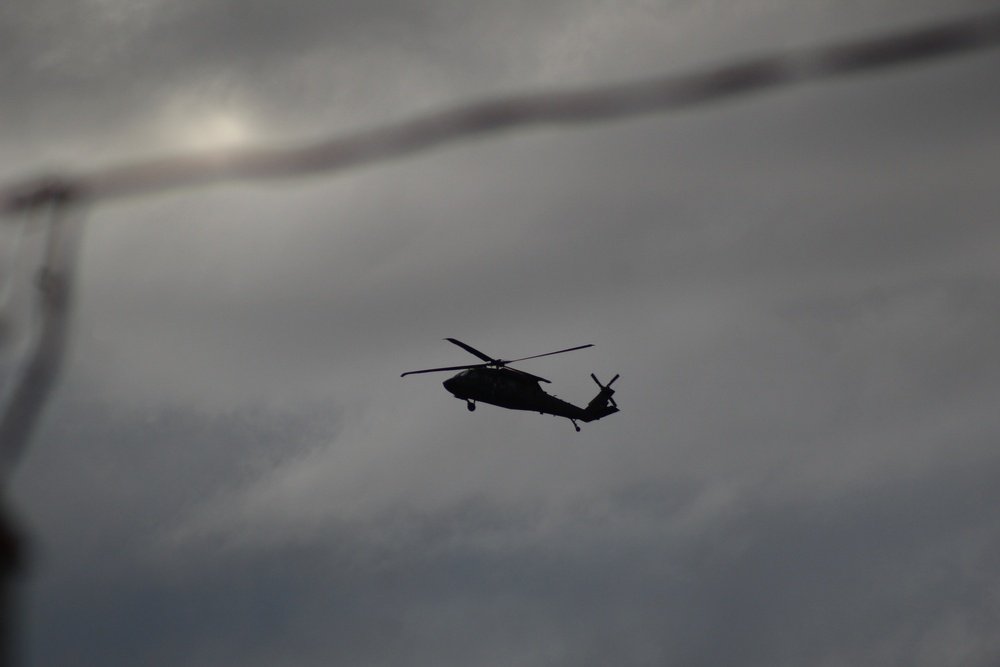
[900,571]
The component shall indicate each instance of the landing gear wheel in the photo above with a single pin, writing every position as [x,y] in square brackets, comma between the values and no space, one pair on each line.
[471,406]
[575,425]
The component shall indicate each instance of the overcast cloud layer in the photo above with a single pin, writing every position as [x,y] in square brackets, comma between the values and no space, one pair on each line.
[798,289]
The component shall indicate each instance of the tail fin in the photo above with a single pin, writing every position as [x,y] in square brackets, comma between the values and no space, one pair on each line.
[602,405]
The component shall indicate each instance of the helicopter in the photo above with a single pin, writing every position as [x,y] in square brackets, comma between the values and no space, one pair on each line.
[494,383]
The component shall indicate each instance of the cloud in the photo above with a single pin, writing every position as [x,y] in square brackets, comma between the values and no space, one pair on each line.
[667,572]
[797,290]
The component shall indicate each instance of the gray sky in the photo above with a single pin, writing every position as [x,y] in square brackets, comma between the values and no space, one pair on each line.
[798,288]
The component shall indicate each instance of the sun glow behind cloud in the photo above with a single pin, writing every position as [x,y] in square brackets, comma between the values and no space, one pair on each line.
[213,113]
[222,129]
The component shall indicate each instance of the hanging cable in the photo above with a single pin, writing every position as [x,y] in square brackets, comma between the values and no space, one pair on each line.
[53,296]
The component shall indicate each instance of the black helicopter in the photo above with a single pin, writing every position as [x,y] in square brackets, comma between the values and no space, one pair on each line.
[492,382]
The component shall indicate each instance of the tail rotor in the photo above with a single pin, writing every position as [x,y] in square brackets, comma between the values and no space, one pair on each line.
[602,405]
[606,391]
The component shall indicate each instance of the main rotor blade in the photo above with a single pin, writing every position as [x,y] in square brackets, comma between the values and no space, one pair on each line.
[471,350]
[533,377]
[548,354]
[446,368]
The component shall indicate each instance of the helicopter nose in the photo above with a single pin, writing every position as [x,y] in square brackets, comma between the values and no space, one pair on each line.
[451,384]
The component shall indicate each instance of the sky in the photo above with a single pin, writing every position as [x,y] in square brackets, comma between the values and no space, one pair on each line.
[798,289]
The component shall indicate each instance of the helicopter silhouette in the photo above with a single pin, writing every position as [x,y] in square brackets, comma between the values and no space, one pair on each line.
[492,382]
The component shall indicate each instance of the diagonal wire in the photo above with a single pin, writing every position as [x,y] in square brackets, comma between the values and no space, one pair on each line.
[567,107]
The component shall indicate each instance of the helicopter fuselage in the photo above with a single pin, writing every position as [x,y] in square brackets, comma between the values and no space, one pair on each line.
[512,390]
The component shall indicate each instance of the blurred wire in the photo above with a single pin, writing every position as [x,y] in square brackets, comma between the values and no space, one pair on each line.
[53,298]
[35,378]
[582,106]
